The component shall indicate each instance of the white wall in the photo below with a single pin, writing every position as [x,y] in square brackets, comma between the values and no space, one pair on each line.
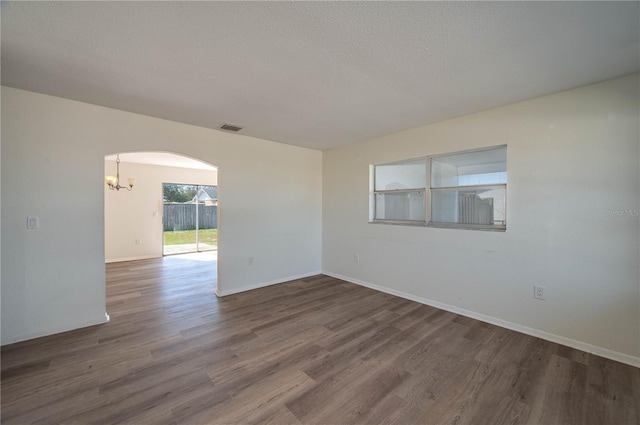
[573,157]
[574,165]
[53,168]
[138,214]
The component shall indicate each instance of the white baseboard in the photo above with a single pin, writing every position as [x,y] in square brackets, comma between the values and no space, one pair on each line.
[579,345]
[142,257]
[53,331]
[224,293]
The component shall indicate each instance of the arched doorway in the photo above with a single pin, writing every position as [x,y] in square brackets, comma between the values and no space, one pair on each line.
[139,279]
[134,217]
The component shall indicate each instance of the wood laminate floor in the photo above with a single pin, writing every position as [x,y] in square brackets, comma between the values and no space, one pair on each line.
[310,351]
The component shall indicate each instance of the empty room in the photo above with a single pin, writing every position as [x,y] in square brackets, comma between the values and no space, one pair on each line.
[320,213]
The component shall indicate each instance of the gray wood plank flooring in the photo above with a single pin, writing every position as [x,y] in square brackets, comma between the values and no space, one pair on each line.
[311,351]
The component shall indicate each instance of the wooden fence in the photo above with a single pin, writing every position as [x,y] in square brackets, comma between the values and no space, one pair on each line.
[183,217]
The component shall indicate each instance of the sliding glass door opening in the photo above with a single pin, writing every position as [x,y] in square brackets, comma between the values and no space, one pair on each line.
[190,218]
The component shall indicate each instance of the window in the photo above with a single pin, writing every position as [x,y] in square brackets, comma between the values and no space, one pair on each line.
[466,190]
[400,191]
[470,189]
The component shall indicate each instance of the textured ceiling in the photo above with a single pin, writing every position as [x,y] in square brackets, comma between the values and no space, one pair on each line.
[314,74]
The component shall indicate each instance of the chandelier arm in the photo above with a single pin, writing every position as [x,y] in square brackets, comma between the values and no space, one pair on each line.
[117,185]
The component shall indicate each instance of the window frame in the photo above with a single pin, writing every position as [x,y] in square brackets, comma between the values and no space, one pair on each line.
[428,191]
[372,202]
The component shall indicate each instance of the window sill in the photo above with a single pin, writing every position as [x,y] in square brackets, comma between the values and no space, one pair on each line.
[480,227]
[400,223]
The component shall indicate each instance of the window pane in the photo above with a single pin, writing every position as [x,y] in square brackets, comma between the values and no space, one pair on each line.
[480,206]
[400,206]
[471,168]
[404,175]
[487,178]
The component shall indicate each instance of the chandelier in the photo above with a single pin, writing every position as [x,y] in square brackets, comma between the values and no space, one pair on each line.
[114,182]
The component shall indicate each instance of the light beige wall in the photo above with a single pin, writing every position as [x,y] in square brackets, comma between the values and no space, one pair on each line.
[573,162]
[53,152]
[133,220]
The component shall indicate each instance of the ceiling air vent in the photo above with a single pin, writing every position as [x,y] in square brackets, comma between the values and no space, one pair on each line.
[230,127]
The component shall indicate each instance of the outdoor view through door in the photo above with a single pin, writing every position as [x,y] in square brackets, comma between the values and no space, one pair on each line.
[190,218]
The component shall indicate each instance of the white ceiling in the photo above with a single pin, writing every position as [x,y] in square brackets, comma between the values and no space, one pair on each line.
[162,158]
[314,74]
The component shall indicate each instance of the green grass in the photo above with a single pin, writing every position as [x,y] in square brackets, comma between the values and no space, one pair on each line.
[181,237]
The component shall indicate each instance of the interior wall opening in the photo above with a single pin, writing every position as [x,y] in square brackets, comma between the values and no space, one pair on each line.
[137,201]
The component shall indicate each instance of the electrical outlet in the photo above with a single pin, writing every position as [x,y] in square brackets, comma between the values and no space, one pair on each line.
[138,241]
[540,292]
[356,257]
[33,223]
[250,261]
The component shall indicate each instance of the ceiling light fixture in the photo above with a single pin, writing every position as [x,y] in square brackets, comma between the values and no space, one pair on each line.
[114,182]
